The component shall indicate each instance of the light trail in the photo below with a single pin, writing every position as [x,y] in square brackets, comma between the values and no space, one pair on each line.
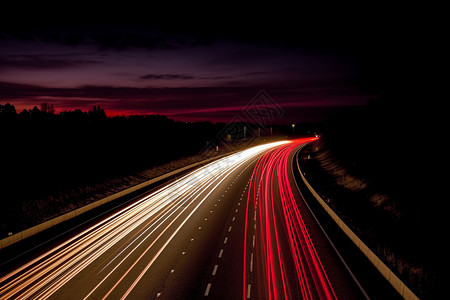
[283,244]
[155,219]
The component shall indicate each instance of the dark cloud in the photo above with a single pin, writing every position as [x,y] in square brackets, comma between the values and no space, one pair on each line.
[166,76]
[217,77]
[107,36]
[43,62]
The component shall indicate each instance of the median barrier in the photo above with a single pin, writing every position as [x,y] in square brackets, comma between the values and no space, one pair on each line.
[17,237]
[393,279]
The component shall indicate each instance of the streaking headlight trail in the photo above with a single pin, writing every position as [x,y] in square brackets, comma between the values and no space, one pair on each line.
[145,227]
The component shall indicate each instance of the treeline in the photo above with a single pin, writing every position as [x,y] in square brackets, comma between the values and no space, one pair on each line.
[46,112]
[42,151]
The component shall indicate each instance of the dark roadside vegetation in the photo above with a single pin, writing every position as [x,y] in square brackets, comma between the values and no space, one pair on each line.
[52,163]
[378,167]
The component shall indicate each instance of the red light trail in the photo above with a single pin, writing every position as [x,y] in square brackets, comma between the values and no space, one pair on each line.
[283,245]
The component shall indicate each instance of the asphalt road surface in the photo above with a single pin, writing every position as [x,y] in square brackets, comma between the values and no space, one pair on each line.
[236,228]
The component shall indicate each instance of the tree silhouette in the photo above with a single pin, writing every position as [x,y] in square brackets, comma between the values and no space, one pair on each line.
[7,112]
[47,108]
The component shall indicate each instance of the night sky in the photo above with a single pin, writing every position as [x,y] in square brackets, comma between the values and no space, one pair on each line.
[209,61]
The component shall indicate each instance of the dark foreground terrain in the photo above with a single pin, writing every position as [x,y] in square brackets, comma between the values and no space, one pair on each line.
[377,170]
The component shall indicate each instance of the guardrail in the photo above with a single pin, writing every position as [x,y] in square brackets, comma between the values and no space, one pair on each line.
[396,282]
[17,237]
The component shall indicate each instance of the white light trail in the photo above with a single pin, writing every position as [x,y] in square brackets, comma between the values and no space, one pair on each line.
[165,210]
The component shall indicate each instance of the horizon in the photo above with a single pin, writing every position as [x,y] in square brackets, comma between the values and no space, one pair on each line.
[143,115]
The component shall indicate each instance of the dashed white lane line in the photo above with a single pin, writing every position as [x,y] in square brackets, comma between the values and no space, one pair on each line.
[215,270]
[208,287]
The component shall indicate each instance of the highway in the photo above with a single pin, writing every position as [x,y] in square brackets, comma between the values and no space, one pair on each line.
[235,228]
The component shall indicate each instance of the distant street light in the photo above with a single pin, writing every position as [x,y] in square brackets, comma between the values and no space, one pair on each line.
[293,127]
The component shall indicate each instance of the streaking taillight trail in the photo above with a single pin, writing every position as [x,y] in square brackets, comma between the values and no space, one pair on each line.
[283,245]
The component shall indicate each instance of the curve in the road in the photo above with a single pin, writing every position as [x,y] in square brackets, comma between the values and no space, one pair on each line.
[108,258]
[284,254]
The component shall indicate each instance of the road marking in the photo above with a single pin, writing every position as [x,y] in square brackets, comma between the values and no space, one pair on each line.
[253,241]
[182,253]
[251,262]
[171,271]
[165,244]
[248,291]
[234,218]
[208,287]
[158,294]
[200,227]
[236,210]
[220,253]
[229,229]
[225,240]
[215,270]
